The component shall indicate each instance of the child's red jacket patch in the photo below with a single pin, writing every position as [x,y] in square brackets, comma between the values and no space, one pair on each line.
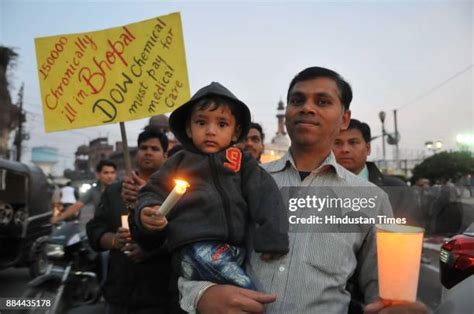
[234,159]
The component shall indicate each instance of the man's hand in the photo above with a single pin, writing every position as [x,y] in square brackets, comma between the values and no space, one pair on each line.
[379,307]
[230,299]
[152,219]
[54,219]
[122,237]
[130,188]
[134,252]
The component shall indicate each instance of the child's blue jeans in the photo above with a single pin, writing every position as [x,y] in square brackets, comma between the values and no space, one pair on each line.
[216,262]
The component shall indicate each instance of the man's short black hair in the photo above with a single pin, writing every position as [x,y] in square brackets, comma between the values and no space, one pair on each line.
[150,133]
[258,127]
[345,90]
[364,128]
[105,163]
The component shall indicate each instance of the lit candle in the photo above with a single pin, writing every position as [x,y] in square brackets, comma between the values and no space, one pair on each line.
[398,255]
[174,196]
[125,225]
[125,222]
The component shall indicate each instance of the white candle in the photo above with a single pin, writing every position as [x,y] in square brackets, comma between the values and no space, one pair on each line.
[125,225]
[125,221]
[398,256]
[174,196]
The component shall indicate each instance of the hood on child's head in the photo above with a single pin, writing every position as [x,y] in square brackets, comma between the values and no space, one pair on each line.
[180,116]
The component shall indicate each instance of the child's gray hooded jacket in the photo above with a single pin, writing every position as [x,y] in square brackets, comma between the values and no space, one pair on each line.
[229,196]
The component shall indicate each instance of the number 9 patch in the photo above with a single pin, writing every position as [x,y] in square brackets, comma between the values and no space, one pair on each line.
[234,158]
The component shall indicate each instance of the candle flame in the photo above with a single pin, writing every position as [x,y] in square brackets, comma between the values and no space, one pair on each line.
[181,186]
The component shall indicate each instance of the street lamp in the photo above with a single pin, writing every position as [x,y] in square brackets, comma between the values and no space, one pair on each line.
[434,146]
[466,141]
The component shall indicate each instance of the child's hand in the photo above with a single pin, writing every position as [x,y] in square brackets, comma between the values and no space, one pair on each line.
[152,219]
[267,257]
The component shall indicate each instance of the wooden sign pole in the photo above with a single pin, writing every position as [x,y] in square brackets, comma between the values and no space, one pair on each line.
[126,153]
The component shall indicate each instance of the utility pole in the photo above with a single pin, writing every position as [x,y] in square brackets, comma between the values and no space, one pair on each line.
[21,118]
[382,119]
[397,139]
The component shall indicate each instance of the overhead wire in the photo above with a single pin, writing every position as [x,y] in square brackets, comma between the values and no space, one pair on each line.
[436,87]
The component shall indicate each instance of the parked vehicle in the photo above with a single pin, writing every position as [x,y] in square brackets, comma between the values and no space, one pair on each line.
[72,276]
[456,267]
[457,258]
[25,212]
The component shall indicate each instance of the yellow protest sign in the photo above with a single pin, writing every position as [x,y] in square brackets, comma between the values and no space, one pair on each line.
[113,75]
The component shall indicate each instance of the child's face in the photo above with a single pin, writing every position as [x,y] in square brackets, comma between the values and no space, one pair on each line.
[212,130]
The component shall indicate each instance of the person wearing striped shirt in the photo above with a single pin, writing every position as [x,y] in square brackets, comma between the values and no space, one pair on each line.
[313,277]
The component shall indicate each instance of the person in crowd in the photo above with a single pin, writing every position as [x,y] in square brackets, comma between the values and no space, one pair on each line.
[68,196]
[106,173]
[426,197]
[254,141]
[422,183]
[352,148]
[56,200]
[138,281]
[313,277]
[207,227]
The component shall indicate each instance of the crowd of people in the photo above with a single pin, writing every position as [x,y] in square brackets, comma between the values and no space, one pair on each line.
[226,246]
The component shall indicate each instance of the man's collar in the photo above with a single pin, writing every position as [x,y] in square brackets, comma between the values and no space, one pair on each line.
[287,160]
[330,162]
[364,173]
[280,164]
